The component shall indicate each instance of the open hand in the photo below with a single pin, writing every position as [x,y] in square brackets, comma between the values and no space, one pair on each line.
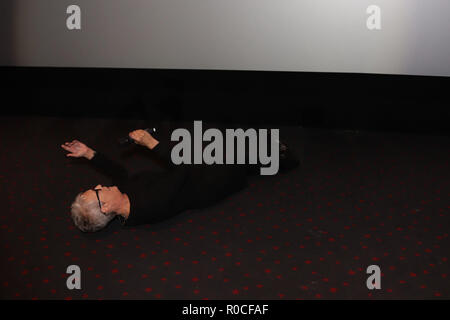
[76,149]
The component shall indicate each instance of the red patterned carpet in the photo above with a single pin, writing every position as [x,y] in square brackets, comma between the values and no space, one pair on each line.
[357,200]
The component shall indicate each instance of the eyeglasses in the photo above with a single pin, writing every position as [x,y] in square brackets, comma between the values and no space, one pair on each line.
[99,202]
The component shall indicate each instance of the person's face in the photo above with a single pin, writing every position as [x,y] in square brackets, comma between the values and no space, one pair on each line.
[109,197]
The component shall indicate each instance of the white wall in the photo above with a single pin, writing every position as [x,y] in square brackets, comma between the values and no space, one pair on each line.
[283,35]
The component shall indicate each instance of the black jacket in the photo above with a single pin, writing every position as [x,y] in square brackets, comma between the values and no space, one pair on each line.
[158,196]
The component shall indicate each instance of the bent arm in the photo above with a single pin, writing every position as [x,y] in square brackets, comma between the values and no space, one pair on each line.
[101,162]
[162,149]
[163,152]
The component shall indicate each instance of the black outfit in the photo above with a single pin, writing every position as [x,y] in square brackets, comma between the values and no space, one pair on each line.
[158,196]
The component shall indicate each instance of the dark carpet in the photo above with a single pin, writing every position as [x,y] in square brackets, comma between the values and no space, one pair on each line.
[358,199]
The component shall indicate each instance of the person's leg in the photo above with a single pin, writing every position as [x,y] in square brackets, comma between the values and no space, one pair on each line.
[210,184]
[288,159]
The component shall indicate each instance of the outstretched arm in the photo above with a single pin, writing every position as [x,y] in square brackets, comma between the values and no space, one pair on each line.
[102,163]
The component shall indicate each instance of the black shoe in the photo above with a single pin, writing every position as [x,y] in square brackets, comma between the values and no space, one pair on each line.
[288,160]
[283,149]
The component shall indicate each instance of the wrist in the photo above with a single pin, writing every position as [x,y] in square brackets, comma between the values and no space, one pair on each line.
[151,143]
[89,154]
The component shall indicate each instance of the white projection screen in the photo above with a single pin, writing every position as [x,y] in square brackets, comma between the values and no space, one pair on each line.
[271,35]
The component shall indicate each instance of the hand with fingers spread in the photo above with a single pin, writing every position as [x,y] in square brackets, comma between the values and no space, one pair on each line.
[78,149]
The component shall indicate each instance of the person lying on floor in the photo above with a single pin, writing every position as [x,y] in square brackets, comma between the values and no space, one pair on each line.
[151,197]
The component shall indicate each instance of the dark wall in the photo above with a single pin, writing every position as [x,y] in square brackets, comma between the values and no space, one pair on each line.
[324,100]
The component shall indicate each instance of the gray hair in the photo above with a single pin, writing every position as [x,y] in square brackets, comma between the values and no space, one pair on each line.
[87,216]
